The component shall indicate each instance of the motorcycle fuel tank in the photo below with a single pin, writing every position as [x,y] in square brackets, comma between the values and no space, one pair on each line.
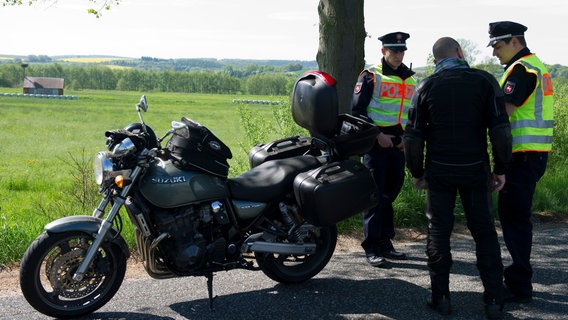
[166,186]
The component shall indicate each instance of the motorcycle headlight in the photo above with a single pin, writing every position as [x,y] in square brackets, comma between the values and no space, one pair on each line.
[103,168]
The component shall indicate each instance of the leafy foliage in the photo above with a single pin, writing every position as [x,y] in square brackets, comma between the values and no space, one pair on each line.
[557,158]
[99,4]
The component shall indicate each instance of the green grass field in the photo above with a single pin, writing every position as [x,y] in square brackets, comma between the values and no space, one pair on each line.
[41,138]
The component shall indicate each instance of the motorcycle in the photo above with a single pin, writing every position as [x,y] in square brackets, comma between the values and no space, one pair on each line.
[190,219]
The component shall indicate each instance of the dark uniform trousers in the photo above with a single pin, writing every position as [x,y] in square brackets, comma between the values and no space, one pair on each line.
[515,201]
[473,185]
[387,167]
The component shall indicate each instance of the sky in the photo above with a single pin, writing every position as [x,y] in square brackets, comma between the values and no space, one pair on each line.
[267,29]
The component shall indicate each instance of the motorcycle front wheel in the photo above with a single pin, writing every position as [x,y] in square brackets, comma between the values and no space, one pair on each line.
[299,268]
[48,266]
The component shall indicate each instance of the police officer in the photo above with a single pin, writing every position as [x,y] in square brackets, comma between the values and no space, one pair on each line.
[382,95]
[529,102]
[452,114]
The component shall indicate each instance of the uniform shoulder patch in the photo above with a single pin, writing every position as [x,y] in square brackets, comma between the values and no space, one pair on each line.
[358,86]
[509,87]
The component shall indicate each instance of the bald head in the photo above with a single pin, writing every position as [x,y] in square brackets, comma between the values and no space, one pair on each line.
[447,47]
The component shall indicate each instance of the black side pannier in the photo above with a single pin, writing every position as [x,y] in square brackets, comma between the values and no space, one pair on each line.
[335,191]
[199,149]
[279,149]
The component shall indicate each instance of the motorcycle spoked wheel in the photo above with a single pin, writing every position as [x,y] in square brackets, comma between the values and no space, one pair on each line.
[47,268]
[299,268]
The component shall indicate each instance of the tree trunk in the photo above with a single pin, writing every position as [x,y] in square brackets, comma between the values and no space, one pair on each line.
[341,50]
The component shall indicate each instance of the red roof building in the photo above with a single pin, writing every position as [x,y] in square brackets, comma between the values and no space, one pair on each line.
[47,86]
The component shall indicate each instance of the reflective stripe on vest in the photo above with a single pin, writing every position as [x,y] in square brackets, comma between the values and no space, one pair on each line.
[532,122]
[391,99]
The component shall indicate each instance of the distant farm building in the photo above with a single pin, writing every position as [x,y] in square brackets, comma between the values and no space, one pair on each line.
[40,85]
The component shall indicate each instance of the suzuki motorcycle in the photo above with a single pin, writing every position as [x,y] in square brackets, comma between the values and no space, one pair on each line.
[190,219]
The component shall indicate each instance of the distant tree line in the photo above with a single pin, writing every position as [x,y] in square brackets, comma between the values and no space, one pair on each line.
[227,80]
[38,59]
[270,77]
[236,67]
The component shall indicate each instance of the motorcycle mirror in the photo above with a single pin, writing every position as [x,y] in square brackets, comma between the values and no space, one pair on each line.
[143,104]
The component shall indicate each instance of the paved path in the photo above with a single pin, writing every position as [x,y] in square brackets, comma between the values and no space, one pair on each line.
[347,288]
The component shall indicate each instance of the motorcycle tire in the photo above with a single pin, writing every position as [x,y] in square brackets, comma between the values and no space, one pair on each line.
[296,269]
[47,268]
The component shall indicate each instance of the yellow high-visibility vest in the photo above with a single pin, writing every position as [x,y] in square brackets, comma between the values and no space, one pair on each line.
[391,98]
[532,122]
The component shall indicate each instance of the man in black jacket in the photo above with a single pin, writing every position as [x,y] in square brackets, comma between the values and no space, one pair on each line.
[452,111]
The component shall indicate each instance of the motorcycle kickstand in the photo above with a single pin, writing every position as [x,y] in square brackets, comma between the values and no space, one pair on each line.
[210,290]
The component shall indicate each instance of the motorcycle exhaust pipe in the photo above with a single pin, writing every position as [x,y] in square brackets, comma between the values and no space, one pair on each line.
[283,248]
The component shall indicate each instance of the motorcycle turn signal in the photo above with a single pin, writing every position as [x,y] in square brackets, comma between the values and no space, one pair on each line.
[121,182]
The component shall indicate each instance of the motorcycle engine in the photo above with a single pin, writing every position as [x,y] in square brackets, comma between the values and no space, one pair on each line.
[195,236]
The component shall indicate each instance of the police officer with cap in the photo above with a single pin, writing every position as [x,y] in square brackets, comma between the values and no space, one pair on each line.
[527,86]
[382,96]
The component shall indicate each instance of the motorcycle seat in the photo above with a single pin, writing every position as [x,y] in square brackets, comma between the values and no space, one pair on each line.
[270,180]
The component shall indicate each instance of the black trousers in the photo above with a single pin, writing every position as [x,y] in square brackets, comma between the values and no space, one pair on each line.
[515,202]
[387,167]
[473,185]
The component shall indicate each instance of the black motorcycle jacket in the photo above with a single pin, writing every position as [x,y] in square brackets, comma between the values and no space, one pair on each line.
[453,110]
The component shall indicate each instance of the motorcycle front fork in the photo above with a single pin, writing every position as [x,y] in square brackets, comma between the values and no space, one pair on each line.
[106,224]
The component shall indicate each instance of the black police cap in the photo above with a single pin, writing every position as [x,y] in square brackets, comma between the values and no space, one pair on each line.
[395,40]
[503,30]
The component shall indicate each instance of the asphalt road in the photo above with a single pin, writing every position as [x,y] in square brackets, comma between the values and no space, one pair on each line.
[348,288]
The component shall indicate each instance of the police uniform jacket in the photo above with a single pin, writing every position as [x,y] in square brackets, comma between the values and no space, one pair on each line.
[527,84]
[524,82]
[364,92]
[453,110]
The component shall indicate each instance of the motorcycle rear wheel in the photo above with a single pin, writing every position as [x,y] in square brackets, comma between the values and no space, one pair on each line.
[296,269]
[48,266]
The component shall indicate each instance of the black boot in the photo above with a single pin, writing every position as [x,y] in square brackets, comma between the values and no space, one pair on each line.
[493,310]
[441,305]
